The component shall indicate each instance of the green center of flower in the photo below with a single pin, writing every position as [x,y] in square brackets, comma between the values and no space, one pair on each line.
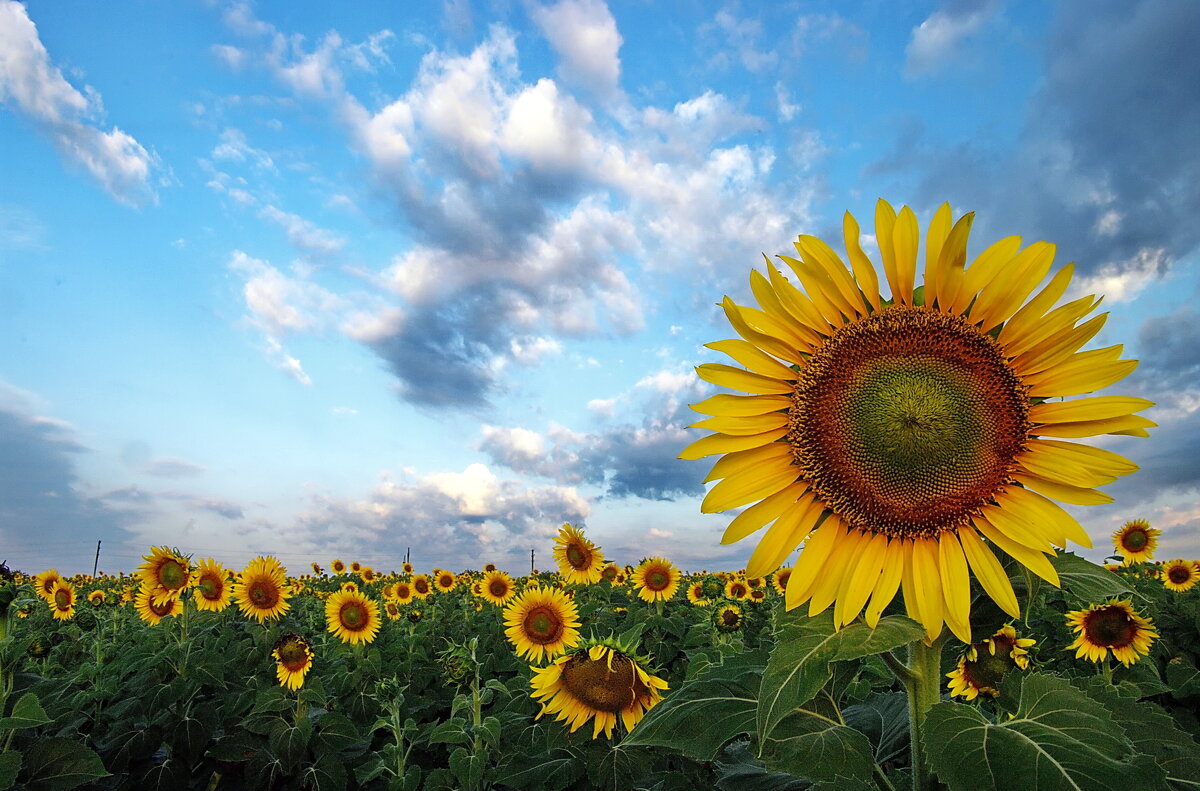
[353,616]
[172,575]
[713,588]
[657,579]
[543,625]
[907,422]
[601,684]
[62,599]
[577,556]
[1135,540]
[1110,627]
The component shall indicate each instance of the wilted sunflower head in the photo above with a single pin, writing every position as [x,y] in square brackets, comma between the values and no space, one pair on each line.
[541,623]
[1135,541]
[1179,575]
[982,666]
[579,560]
[1114,626]
[902,440]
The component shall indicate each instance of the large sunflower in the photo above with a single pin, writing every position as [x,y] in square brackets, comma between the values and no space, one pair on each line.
[579,560]
[212,589]
[541,623]
[165,572]
[1135,541]
[62,600]
[902,440]
[293,656]
[1180,575]
[656,579]
[497,587]
[262,591]
[983,665]
[352,617]
[151,611]
[1113,625]
[597,681]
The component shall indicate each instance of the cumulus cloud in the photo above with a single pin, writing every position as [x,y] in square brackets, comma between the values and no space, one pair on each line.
[31,83]
[279,303]
[584,35]
[938,39]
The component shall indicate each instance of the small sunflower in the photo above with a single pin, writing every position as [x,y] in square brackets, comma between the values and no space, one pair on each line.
[166,572]
[420,586]
[737,589]
[153,612]
[695,594]
[1180,575]
[96,598]
[444,581]
[758,595]
[656,579]
[598,681]
[904,441]
[610,573]
[368,574]
[728,618]
[294,658]
[415,616]
[212,590]
[402,593]
[497,588]
[391,609]
[1113,625]
[1136,541]
[542,623]
[355,566]
[44,583]
[407,567]
[352,617]
[262,591]
[62,600]
[350,585]
[488,567]
[579,560]
[316,569]
[983,665]
[337,567]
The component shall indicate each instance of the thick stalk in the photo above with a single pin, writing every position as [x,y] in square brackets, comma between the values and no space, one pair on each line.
[924,687]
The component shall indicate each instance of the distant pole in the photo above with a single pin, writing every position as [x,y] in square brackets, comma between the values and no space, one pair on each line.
[96,564]
[407,554]
[532,568]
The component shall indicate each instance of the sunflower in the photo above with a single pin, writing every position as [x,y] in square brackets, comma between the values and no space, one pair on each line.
[903,440]
[352,617]
[44,583]
[337,567]
[62,600]
[444,581]
[728,618]
[368,574]
[212,590]
[497,588]
[1112,625]
[350,585]
[355,566]
[421,587]
[262,591]
[153,612]
[597,682]
[656,579]
[542,623]
[736,589]
[96,598]
[1136,541]
[983,665]
[579,560]
[695,594]
[1180,575]
[391,609]
[294,657]
[758,595]
[407,568]
[166,572]
[403,593]
[610,573]
[316,569]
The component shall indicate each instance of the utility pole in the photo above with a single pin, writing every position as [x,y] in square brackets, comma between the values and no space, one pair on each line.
[532,568]
[96,564]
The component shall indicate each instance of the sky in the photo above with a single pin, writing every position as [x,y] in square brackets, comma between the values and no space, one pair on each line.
[330,280]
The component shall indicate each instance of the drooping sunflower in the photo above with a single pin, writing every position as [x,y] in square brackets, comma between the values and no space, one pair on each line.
[444,581]
[541,623]
[62,600]
[153,612]
[695,594]
[656,579]
[1112,625]
[352,617]
[903,440]
[212,590]
[166,573]
[983,665]
[44,584]
[728,618]
[294,657]
[96,598]
[337,566]
[1180,575]
[497,588]
[598,681]
[262,591]
[1135,541]
[579,560]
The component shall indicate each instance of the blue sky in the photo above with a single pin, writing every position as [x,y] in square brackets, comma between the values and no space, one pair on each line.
[316,281]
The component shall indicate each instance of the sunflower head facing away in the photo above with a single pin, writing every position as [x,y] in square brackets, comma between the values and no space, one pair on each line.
[1135,541]
[598,681]
[904,440]
[352,617]
[293,656]
[96,598]
[212,590]
[983,665]
[262,591]
[579,560]
[541,623]
[1180,575]
[1111,626]
[656,579]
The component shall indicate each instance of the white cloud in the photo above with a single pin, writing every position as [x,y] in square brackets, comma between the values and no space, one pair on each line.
[39,90]
[233,57]
[584,35]
[937,40]
[281,304]
[787,110]
[303,234]
[1123,281]
[285,362]
[234,147]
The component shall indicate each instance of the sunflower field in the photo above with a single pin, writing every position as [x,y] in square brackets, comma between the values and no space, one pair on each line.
[911,616]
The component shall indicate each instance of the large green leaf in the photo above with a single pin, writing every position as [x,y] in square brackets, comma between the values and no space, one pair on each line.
[1084,583]
[741,771]
[10,765]
[1057,739]
[814,747]
[551,771]
[799,665]
[26,713]
[884,720]
[61,764]
[704,713]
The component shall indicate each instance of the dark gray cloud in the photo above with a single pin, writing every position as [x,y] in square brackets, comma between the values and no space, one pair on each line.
[1170,349]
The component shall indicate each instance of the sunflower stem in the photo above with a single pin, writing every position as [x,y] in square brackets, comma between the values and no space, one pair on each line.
[924,690]
[900,670]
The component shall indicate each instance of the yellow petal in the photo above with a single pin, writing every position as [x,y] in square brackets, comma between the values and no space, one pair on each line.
[1055,350]
[1078,377]
[728,405]
[906,235]
[1033,310]
[782,349]
[1020,530]
[765,293]
[1074,495]
[1094,428]
[759,514]
[747,487]
[1087,409]
[797,303]
[928,584]
[821,256]
[753,424]
[858,583]
[789,331]
[1030,558]
[1099,459]
[825,591]
[774,454]
[989,572]
[935,237]
[983,269]
[952,260]
[885,222]
[722,443]
[784,536]
[820,290]
[739,379]
[888,582]
[956,585]
[1068,470]
[864,270]
[1001,298]
[1037,510]
[811,562]
[753,358]
[1056,322]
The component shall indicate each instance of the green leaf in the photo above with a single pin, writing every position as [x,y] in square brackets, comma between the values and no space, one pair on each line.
[1057,738]
[1084,582]
[705,713]
[452,731]
[740,771]
[808,745]
[289,744]
[467,767]
[553,771]
[1183,678]
[27,713]
[335,733]
[61,764]
[326,774]
[884,720]
[799,665]
[10,765]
